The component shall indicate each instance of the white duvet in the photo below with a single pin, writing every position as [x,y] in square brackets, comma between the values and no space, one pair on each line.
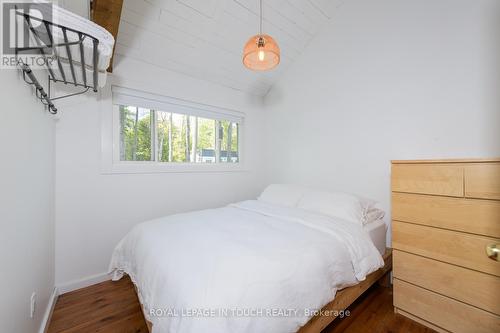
[245,268]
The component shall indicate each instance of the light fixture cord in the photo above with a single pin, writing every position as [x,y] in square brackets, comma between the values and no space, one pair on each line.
[261,17]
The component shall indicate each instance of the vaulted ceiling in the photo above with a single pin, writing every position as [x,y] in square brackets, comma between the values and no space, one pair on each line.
[204,38]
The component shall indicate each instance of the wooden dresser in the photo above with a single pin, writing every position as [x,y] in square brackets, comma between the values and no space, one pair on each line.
[445,214]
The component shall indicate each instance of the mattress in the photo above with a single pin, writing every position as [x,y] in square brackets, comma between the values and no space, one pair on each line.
[377,231]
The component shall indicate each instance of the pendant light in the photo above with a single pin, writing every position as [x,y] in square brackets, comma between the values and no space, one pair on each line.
[261,52]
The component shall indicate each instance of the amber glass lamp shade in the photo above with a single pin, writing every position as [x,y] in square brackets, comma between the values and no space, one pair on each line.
[261,53]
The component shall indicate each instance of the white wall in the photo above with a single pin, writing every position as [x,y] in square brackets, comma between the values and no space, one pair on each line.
[94,210]
[26,205]
[387,79]
[80,7]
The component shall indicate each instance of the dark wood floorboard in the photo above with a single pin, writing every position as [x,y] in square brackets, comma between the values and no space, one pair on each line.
[373,312]
[113,307]
[104,307]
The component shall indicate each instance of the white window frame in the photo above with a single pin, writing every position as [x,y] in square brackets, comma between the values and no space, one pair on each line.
[111,132]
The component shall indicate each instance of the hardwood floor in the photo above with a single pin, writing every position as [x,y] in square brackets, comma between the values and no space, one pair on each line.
[373,312]
[104,307]
[111,307]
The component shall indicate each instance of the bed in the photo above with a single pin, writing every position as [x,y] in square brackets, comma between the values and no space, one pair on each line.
[252,266]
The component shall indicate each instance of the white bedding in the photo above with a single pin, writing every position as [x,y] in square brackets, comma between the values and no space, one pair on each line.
[377,231]
[201,271]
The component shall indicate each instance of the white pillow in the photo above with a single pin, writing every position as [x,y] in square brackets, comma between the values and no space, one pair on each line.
[282,194]
[373,214]
[337,204]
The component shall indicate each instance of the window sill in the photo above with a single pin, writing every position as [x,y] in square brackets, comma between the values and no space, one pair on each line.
[157,167]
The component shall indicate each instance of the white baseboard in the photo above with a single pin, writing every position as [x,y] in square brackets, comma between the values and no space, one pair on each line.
[44,326]
[82,283]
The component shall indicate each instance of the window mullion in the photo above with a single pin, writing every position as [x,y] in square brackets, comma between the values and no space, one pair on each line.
[195,140]
[154,136]
[217,141]
[238,142]
[170,136]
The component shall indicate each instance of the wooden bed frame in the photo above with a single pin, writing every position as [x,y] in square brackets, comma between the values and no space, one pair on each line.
[343,299]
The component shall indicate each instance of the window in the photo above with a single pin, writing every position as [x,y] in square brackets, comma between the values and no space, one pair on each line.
[135,134]
[151,129]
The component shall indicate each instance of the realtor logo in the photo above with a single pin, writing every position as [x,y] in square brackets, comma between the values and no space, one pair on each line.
[26,38]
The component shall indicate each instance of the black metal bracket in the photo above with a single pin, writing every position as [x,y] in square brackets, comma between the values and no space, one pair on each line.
[58,74]
[68,95]
[40,93]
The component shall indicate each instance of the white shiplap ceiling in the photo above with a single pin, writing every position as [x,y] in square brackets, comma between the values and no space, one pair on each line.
[205,38]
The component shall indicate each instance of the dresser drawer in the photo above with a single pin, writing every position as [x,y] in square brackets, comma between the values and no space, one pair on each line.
[482,180]
[462,284]
[438,179]
[449,246]
[469,215]
[442,311]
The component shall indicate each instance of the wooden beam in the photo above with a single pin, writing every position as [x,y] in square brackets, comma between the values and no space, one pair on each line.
[107,14]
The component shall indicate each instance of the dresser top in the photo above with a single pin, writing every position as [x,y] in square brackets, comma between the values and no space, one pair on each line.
[451,160]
